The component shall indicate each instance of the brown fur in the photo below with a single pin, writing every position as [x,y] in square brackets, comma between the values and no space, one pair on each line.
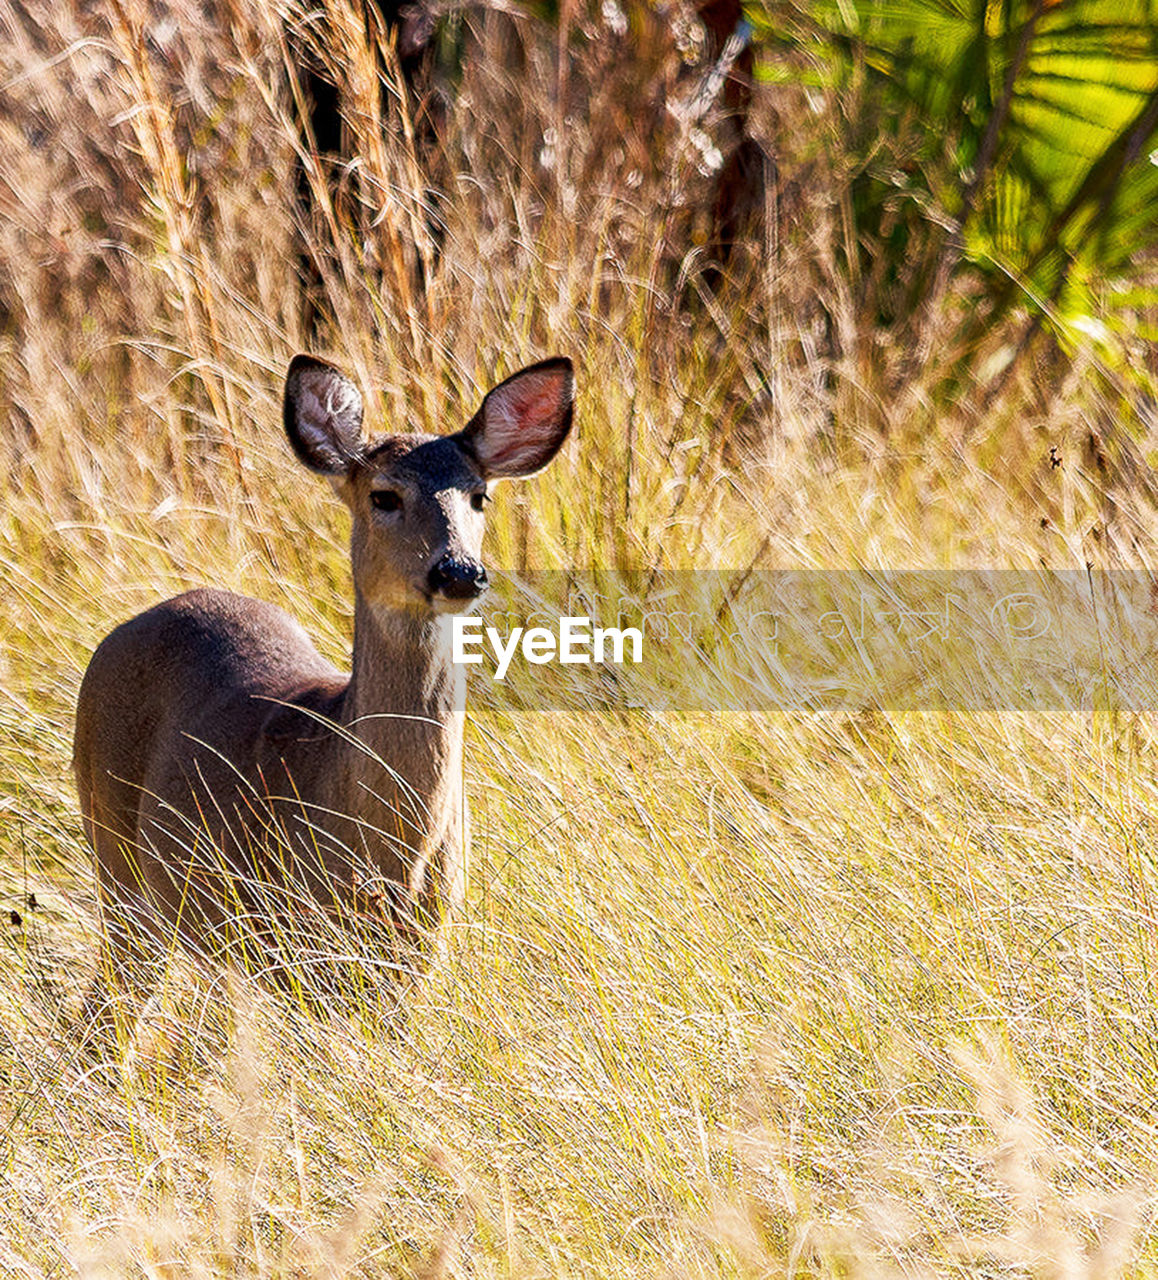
[226,771]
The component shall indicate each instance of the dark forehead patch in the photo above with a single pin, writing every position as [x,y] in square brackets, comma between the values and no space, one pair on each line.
[385,449]
[433,462]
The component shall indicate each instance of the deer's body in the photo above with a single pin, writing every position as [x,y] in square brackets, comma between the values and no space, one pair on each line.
[223,764]
[213,711]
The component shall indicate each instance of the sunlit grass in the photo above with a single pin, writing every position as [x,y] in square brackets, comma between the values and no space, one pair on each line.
[838,992]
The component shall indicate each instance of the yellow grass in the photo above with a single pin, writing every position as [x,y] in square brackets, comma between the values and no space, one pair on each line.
[856,992]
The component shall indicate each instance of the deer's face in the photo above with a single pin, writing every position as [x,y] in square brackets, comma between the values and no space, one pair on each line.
[418,506]
[418,502]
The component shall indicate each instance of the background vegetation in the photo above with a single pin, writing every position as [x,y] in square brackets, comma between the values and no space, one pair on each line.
[818,993]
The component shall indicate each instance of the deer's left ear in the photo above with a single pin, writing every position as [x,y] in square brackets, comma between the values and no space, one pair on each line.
[522,423]
[322,413]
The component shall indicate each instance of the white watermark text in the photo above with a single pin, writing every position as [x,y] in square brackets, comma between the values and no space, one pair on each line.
[576,641]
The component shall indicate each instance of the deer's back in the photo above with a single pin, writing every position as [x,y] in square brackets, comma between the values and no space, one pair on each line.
[199,675]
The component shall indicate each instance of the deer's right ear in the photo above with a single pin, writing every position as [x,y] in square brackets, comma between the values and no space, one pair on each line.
[322,412]
[522,423]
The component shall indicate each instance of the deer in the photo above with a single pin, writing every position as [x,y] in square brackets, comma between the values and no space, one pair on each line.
[228,773]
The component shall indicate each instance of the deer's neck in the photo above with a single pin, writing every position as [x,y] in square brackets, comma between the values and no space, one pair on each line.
[383,787]
[406,699]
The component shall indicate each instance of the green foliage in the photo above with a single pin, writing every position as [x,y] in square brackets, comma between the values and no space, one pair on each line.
[1014,142]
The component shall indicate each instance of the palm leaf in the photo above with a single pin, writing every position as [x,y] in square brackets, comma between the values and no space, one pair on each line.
[1042,118]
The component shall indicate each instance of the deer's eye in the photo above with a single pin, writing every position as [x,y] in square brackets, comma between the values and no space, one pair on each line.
[478,500]
[386,500]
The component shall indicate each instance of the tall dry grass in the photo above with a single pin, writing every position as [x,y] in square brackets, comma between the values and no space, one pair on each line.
[812,994]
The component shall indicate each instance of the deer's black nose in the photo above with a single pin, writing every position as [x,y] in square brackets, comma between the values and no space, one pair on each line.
[456,579]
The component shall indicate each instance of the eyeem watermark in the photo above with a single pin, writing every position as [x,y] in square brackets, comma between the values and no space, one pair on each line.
[576,642]
[813,641]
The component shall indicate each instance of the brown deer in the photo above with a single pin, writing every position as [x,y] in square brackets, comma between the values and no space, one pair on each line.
[232,780]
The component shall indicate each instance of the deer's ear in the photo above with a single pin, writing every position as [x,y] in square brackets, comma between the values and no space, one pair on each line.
[322,412]
[522,423]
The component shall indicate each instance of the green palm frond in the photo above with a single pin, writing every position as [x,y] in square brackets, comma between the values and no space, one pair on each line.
[1041,120]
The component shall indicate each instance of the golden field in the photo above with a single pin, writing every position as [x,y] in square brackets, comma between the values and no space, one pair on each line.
[866,992]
